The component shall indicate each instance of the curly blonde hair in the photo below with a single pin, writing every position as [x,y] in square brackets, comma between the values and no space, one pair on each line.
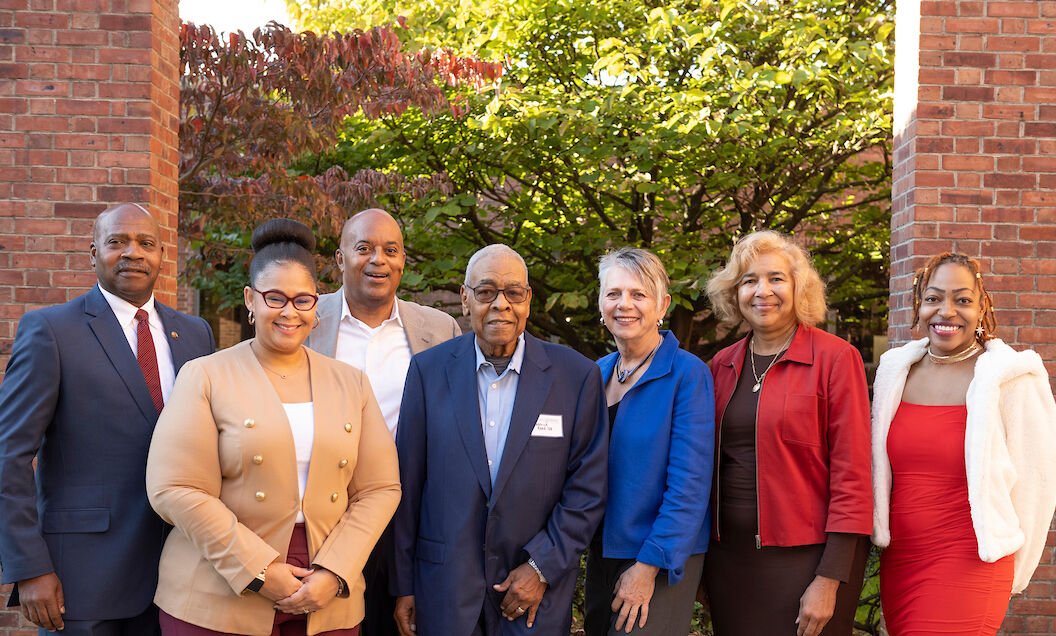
[808,288]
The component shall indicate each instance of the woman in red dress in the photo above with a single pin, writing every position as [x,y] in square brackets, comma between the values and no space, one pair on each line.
[963,472]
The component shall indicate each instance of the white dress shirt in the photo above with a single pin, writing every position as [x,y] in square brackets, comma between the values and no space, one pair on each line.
[126,317]
[381,352]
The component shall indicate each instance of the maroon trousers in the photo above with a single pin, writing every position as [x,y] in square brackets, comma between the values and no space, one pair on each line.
[285,624]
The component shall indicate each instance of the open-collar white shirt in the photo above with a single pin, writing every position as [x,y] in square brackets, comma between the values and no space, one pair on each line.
[126,318]
[382,352]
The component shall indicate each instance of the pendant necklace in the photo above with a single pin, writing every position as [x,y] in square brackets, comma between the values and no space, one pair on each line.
[281,375]
[751,352]
[956,357]
[623,376]
[265,367]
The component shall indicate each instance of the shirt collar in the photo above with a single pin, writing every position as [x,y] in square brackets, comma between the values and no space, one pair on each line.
[393,315]
[515,361]
[126,311]
[801,349]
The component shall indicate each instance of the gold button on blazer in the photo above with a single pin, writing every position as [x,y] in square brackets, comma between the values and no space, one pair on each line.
[234,515]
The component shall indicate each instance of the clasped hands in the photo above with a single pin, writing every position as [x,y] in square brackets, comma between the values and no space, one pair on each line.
[297,590]
[294,590]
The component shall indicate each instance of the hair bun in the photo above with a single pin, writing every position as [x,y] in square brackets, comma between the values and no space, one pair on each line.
[282,231]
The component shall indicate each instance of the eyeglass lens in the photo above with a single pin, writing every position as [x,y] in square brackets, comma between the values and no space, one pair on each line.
[278,300]
[487,294]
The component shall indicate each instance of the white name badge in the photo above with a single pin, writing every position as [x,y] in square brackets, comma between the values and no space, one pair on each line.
[548,426]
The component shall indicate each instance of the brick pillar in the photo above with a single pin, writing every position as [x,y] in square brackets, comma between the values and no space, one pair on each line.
[89,94]
[164,149]
[975,172]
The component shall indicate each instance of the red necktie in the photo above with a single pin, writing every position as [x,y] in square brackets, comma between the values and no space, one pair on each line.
[148,359]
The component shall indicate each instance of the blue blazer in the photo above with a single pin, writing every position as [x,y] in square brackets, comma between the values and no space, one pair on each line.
[74,396]
[660,460]
[454,535]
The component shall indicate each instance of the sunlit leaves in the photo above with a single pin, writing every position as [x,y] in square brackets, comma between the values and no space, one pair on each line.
[675,126]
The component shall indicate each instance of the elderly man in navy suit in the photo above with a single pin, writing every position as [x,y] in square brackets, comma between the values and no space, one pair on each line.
[82,392]
[502,442]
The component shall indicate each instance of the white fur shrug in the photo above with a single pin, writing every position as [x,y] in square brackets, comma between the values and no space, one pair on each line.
[1009,451]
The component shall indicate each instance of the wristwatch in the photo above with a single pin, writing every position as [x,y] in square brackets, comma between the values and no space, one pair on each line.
[258,581]
[542,579]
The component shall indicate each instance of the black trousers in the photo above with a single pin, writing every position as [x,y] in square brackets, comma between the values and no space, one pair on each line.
[380,605]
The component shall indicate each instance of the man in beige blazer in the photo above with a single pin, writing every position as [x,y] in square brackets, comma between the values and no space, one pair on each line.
[365,325]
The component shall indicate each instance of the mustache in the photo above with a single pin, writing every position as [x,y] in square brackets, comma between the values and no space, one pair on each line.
[130,267]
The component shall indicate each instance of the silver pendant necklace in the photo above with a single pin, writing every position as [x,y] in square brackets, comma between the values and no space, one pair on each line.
[623,376]
[751,356]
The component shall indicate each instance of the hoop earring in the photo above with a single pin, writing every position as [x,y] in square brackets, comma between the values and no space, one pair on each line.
[316,322]
[251,318]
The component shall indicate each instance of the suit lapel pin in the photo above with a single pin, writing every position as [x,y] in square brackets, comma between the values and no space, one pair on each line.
[174,335]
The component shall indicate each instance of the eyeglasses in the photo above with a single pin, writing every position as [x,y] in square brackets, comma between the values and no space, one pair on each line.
[516,294]
[277,300]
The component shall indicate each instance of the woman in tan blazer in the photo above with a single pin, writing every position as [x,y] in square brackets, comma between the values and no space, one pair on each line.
[274,465]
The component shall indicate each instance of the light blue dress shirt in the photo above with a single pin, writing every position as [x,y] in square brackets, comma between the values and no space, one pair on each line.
[495,396]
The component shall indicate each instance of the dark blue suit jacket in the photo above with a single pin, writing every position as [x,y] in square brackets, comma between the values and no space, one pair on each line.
[73,396]
[455,535]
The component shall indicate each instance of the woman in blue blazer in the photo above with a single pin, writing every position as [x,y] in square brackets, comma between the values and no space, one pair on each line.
[645,562]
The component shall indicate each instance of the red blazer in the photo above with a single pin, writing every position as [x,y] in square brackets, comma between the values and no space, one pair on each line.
[812,438]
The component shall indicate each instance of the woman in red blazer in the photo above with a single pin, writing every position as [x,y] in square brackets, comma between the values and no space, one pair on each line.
[792,501]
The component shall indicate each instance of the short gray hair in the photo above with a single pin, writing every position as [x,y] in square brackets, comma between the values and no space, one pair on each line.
[643,264]
[493,249]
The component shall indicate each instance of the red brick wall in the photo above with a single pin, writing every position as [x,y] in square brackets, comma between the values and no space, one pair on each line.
[88,117]
[975,172]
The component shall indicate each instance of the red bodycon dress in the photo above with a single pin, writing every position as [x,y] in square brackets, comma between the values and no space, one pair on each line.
[931,578]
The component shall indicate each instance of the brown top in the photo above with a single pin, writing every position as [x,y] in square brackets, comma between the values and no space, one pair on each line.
[737,472]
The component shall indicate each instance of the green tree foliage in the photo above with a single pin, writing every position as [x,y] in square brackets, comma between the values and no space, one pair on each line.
[675,126]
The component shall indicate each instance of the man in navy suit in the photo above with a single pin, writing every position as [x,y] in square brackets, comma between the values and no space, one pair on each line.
[81,393]
[502,440]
